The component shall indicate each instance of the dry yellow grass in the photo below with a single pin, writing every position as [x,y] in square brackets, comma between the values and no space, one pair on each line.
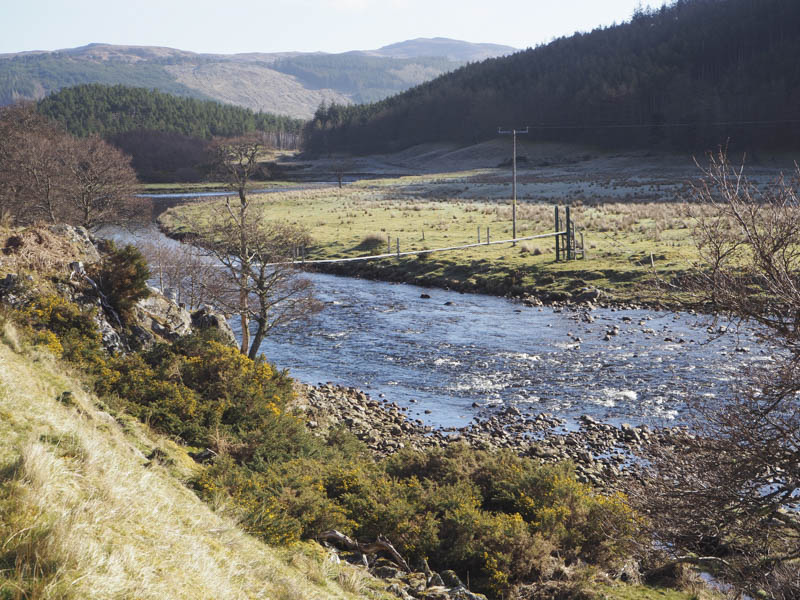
[84,513]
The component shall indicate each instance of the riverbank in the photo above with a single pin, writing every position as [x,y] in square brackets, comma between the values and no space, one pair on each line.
[283,484]
[602,453]
[631,211]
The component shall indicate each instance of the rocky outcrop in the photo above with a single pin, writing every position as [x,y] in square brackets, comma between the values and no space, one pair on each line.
[420,585]
[160,317]
[81,240]
[208,318]
[60,253]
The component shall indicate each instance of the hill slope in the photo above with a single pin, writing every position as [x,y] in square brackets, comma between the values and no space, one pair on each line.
[84,513]
[455,50]
[287,83]
[689,76]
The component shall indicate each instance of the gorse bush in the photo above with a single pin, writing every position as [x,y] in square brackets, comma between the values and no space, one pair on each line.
[65,329]
[503,519]
[204,392]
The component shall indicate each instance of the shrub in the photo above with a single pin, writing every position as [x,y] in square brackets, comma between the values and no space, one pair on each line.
[372,241]
[66,330]
[200,390]
[122,278]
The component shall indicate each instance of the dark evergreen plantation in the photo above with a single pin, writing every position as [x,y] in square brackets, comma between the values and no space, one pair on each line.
[167,136]
[111,110]
[690,76]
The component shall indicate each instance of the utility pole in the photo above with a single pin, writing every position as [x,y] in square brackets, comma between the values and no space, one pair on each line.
[513,133]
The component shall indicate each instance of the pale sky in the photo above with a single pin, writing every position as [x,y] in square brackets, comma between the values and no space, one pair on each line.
[231,26]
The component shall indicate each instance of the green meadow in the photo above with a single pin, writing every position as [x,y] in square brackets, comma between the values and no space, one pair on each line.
[634,234]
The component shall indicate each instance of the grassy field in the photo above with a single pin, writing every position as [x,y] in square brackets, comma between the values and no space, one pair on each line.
[168,188]
[625,222]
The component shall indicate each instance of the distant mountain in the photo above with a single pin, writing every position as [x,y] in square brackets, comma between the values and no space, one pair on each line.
[690,76]
[454,50]
[288,83]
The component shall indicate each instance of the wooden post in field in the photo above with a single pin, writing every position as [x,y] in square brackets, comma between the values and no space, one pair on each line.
[388,244]
[479,234]
[569,232]
[558,239]
[487,235]
[398,247]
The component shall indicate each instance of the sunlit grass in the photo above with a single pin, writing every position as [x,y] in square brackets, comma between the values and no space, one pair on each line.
[437,211]
[85,514]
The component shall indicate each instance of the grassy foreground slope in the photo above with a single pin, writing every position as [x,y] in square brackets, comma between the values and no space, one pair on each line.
[85,514]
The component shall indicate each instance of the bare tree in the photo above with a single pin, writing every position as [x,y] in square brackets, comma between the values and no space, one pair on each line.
[32,172]
[728,496]
[100,185]
[275,293]
[236,162]
[185,269]
[41,165]
[45,173]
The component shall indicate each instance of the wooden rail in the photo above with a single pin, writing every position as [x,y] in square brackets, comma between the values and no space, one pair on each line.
[429,251]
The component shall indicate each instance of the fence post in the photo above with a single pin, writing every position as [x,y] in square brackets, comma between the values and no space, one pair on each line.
[479,234]
[398,247]
[388,244]
[487,236]
[569,232]
[558,239]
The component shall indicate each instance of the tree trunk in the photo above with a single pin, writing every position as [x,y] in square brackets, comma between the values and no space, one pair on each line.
[380,545]
[244,257]
[258,337]
[244,318]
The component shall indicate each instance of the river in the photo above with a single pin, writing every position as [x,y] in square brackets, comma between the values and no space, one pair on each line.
[452,357]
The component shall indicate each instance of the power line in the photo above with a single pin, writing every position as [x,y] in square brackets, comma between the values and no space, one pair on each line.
[650,125]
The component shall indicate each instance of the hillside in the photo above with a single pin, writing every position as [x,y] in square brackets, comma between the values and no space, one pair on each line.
[687,77]
[287,83]
[454,50]
[93,505]
[111,110]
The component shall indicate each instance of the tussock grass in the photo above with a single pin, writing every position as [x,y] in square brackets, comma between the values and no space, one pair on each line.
[84,513]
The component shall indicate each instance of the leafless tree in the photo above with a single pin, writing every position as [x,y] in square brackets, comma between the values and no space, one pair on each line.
[728,496]
[31,165]
[47,174]
[275,292]
[236,162]
[100,183]
[185,269]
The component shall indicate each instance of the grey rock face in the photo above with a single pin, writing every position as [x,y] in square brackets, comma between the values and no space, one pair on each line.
[162,317]
[207,318]
[80,237]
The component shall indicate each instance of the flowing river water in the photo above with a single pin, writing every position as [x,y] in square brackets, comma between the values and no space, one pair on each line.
[452,357]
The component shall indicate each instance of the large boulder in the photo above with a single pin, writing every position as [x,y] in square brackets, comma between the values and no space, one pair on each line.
[158,317]
[207,318]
